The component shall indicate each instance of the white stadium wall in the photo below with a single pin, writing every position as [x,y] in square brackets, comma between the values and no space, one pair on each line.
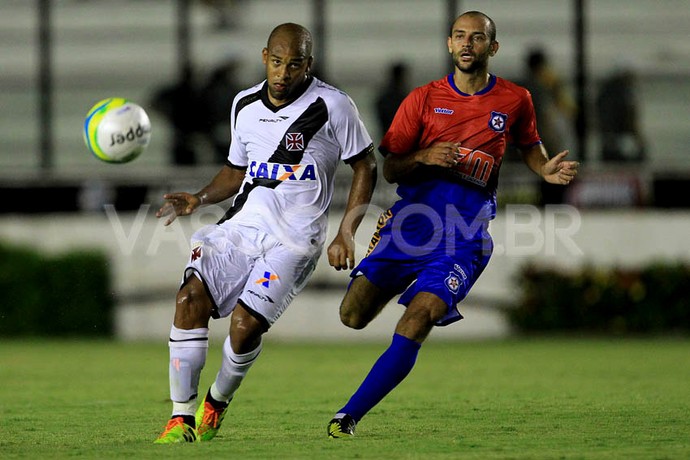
[147,259]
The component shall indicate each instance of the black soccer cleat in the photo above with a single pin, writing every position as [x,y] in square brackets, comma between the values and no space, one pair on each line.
[342,426]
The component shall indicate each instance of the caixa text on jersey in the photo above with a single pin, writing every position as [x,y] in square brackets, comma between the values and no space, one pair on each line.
[282,172]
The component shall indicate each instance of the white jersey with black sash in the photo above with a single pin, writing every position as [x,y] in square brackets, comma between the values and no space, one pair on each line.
[291,154]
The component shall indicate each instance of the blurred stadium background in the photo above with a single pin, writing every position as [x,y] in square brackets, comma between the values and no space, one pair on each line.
[59,57]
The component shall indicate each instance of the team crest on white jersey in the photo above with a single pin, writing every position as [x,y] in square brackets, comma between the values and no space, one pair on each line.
[281,172]
[196,251]
[294,142]
[497,121]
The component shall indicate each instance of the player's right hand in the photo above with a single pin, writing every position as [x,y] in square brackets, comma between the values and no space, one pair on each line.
[444,154]
[341,252]
[178,204]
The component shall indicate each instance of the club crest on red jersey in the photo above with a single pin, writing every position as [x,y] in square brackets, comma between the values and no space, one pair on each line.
[498,121]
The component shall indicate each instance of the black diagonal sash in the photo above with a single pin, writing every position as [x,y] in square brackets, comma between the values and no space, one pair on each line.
[290,150]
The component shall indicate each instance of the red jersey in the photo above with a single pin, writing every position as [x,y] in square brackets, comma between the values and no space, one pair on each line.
[483,123]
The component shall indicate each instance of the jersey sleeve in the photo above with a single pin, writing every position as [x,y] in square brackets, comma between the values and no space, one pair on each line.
[237,155]
[524,131]
[405,130]
[349,129]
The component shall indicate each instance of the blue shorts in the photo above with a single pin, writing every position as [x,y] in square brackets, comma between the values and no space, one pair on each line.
[408,259]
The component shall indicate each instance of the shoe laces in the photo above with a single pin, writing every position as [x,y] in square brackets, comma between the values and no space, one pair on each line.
[172,423]
[211,415]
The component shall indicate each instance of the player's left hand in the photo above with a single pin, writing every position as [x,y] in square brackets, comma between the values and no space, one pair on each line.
[341,252]
[559,171]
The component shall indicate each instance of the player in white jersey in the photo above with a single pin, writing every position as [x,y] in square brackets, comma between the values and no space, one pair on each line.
[289,134]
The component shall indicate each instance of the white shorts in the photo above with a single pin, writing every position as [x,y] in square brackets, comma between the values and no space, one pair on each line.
[248,266]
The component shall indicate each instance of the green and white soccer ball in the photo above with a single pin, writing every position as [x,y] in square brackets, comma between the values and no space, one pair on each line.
[117,130]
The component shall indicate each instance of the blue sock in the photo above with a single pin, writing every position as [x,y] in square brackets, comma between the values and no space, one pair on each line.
[391,368]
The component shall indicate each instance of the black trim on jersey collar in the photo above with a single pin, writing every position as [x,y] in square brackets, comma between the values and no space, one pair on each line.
[492,83]
[298,92]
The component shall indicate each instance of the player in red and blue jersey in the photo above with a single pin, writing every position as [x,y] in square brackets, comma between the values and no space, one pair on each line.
[444,149]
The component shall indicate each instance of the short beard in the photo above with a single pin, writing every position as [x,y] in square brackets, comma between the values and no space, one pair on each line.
[476,65]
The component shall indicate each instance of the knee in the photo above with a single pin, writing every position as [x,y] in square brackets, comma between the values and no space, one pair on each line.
[362,303]
[245,331]
[192,306]
[350,316]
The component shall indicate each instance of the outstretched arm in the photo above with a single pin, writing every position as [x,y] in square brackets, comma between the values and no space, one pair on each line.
[341,251]
[224,185]
[555,170]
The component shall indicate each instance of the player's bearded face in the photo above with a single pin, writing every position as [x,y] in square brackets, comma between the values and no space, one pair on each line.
[470,45]
[286,70]
[469,61]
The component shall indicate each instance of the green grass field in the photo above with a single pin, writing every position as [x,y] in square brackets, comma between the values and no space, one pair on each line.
[518,399]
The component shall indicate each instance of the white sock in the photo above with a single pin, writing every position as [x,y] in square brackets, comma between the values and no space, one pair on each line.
[188,349]
[233,368]
[184,408]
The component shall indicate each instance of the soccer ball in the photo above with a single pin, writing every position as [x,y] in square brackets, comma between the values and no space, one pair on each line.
[117,130]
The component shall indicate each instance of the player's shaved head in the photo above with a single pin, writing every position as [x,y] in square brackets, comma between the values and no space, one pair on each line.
[288,60]
[296,35]
[491,30]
